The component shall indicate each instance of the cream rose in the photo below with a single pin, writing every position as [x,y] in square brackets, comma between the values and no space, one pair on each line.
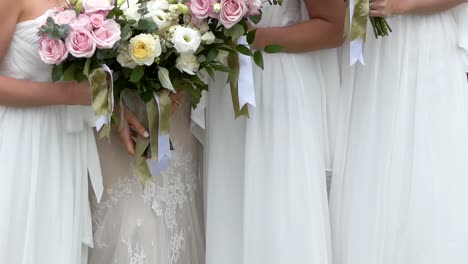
[144,49]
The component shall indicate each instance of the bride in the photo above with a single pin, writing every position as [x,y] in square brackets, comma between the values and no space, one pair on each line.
[266,190]
[399,191]
[45,149]
[161,223]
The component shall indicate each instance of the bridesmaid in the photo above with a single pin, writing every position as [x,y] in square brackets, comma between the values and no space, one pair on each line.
[46,150]
[399,193]
[266,192]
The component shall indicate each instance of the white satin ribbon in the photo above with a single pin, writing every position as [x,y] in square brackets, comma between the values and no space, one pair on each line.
[356,46]
[164,150]
[104,120]
[246,82]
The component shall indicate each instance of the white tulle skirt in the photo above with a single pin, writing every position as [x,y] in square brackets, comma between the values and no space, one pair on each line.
[399,192]
[44,208]
[267,197]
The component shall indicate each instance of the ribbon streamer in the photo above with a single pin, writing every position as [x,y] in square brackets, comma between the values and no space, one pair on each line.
[246,81]
[158,145]
[358,16]
[103,98]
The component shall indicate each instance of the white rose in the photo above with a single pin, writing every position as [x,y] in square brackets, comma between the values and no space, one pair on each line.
[161,19]
[144,49]
[187,63]
[186,40]
[208,38]
[124,58]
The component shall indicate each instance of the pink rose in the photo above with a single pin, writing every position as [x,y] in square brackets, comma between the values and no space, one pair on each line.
[80,43]
[107,35]
[96,20]
[82,21]
[254,7]
[232,11]
[64,17]
[94,6]
[52,51]
[201,9]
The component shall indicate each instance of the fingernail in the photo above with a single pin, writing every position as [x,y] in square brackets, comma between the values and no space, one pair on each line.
[146,134]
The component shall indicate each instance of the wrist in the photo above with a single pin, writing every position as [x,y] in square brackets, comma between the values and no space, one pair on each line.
[65,94]
[402,7]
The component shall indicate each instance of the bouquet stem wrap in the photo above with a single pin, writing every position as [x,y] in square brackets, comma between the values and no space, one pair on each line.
[157,146]
[103,99]
[356,27]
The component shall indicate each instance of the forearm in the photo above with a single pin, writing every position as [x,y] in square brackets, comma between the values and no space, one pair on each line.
[23,93]
[429,6]
[315,34]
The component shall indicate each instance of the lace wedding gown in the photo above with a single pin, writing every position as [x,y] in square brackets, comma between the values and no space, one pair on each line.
[266,190]
[45,156]
[159,224]
[399,191]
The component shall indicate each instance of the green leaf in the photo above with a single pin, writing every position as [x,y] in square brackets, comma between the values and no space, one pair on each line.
[86,67]
[251,36]
[212,54]
[256,19]
[57,72]
[244,50]
[210,72]
[220,67]
[274,48]
[235,32]
[258,59]
[69,74]
[137,74]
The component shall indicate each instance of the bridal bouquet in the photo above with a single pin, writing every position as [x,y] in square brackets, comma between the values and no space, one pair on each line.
[149,49]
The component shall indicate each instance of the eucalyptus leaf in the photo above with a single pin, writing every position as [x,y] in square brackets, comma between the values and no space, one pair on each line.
[244,50]
[235,32]
[137,74]
[258,59]
[274,48]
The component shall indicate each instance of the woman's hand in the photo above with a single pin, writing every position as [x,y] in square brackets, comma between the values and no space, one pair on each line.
[177,99]
[131,127]
[386,8]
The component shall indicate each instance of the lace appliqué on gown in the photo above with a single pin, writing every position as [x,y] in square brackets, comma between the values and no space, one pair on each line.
[166,195]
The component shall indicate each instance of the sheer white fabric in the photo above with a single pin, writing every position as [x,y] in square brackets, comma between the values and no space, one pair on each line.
[399,191]
[462,20]
[161,223]
[45,155]
[266,190]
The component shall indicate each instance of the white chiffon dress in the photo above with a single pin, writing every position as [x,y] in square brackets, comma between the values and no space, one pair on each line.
[266,190]
[45,156]
[399,191]
[161,223]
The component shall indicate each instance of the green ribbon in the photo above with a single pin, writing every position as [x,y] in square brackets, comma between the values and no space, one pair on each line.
[233,79]
[159,114]
[102,98]
[359,23]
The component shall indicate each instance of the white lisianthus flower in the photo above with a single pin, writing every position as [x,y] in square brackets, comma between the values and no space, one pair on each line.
[161,19]
[186,40]
[144,49]
[187,63]
[158,5]
[131,13]
[124,58]
[208,38]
